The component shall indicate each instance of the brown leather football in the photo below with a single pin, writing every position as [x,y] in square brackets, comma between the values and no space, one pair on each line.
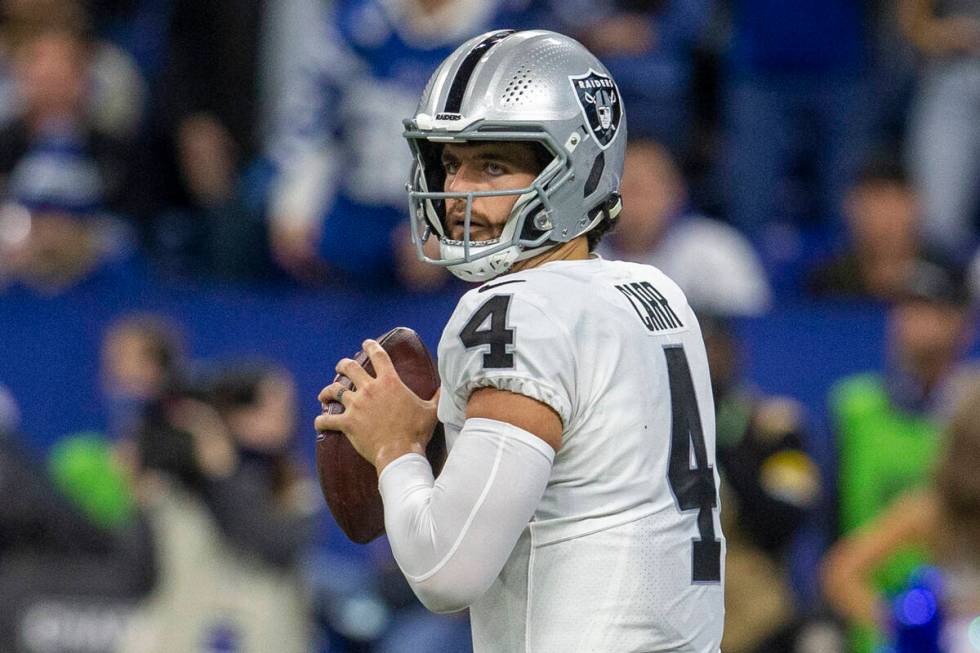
[350,483]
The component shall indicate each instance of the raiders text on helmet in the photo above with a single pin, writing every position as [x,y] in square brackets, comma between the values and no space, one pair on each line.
[529,86]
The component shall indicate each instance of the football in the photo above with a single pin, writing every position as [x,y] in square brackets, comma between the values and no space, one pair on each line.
[348,482]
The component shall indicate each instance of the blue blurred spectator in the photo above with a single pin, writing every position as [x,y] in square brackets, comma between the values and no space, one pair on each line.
[55,79]
[649,46]
[711,261]
[63,177]
[796,82]
[882,213]
[944,133]
[216,97]
[114,90]
[343,167]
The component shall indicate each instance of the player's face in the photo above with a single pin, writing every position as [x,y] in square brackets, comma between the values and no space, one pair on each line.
[483,167]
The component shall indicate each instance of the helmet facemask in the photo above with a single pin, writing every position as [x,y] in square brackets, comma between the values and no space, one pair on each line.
[527,231]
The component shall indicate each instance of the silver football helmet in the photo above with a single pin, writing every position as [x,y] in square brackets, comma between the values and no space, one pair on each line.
[530,86]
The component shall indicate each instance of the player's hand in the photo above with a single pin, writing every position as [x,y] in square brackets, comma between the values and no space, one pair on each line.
[382,418]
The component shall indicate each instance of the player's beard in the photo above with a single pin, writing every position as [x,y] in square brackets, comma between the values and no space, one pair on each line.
[481,227]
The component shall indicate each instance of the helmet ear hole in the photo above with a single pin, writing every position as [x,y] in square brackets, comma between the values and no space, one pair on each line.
[543,157]
[528,230]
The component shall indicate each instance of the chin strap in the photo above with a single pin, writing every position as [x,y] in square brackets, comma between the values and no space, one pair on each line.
[480,269]
[609,210]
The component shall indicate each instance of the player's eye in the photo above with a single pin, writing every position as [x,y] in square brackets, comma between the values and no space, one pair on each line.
[494,168]
[450,166]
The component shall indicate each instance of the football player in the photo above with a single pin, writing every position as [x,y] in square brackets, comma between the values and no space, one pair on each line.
[578,507]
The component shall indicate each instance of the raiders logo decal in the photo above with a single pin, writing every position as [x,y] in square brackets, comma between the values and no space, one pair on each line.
[599,100]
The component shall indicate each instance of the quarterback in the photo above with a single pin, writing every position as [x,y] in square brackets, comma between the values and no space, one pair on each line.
[578,507]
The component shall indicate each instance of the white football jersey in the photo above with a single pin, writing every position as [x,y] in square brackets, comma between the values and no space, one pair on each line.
[625,551]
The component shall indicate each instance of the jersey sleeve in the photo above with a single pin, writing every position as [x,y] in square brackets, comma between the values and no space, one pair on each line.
[506,340]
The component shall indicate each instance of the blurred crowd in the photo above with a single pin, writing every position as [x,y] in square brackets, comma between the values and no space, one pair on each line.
[820,149]
[260,141]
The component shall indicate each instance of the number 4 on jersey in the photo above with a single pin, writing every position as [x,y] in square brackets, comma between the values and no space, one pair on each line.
[694,489]
[496,334]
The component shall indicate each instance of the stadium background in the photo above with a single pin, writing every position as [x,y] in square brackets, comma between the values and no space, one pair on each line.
[212,253]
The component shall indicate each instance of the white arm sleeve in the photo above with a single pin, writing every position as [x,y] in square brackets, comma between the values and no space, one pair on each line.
[452,536]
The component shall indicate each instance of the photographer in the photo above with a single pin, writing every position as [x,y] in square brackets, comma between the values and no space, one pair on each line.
[226,502]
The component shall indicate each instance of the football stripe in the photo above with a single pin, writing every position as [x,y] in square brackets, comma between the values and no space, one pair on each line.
[458,88]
